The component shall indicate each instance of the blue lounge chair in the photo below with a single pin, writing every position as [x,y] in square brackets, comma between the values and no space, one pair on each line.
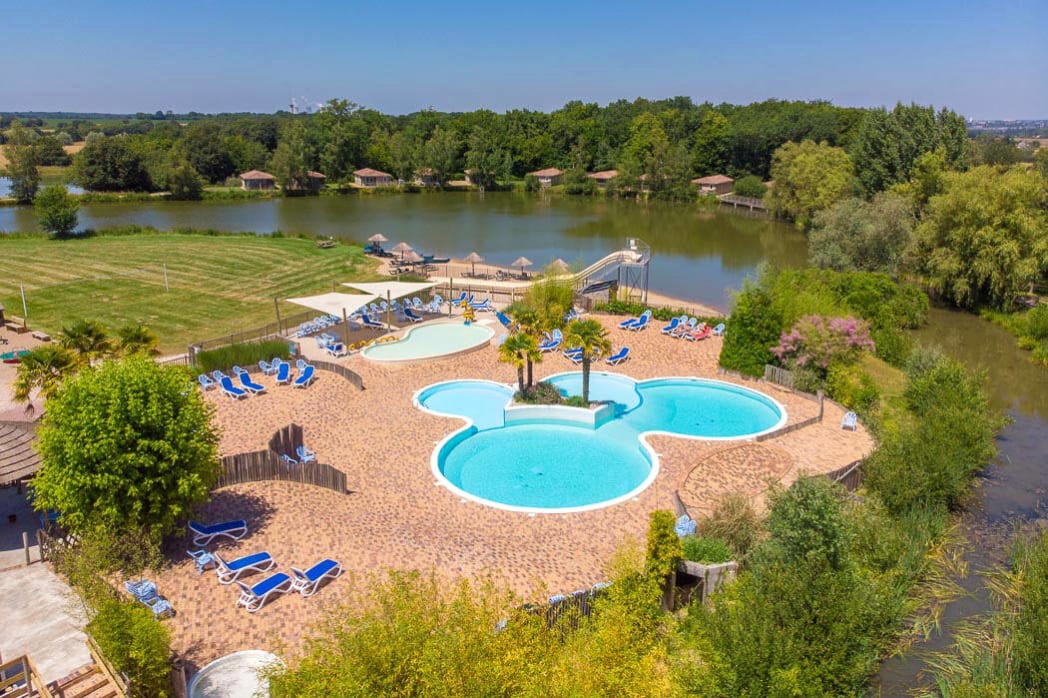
[205,381]
[674,323]
[619,356]
[685,328]
[850,421]
[458,301]
[300,364]
[203,534]
[685,526]
[267,368]
[250,385]
[718,331]
[641,323]
[305,455]
[230,390]
[304,378]
[410,315]
[506,322]
[217,375]
[626,324]
[145,592]
[549,346]
[283,373]
[237,371]
[483,306]
[306,582]
[572,353]
[577,358]
[254,598]
[228,572]
[202,559]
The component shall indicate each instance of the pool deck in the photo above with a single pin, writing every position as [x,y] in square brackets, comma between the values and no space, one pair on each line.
[397,517]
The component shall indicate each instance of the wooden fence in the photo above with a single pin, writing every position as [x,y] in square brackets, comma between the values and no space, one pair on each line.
[850,477]
[287,440]
[267,465]
[350,375]
[779,376]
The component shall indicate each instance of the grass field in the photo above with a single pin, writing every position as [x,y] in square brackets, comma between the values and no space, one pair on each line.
[219,284]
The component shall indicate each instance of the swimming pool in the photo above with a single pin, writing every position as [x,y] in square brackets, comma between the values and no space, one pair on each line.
[432,341]
[552,459]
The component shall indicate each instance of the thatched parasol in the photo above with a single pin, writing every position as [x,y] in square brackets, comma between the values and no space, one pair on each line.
[559,265]
[522,262]
[473,258]
[378,237]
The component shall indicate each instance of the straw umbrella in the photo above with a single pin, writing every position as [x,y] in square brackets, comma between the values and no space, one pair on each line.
[522,262]
[402,247]
[378,237]
[559,265]
[473,258]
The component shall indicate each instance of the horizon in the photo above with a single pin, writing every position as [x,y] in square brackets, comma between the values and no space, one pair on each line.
[466,57]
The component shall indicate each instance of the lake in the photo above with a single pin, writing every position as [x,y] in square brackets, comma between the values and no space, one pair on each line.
[697,254]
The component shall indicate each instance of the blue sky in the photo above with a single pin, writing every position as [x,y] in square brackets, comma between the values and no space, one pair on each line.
[986,60]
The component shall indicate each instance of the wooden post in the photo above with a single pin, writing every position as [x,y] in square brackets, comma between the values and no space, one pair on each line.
[389,310]
[345,326]
[167,289]
[25,308]
[25,544]
[276,306]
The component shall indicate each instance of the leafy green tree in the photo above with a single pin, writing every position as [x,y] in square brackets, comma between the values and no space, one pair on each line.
[989,149]
[516,351]
[44,369]
[808,177]
[711,151]
[246,154]
[807,524]
[751,186]
[752,330]
[591,337]
[50,153]
[289,163]
[184,183]
[87,340]
[403,154]
[56,210]
[126,445]
[440,154]
[110,164]
[136,338]
[982,241]
[22,164]
[206,151]
[1040,161]
[855,235]
[486,160]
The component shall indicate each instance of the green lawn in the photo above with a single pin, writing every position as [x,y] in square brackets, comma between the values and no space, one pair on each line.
[219,284]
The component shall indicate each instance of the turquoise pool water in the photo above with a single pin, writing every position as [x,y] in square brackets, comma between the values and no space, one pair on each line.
[431,341]
[554,464]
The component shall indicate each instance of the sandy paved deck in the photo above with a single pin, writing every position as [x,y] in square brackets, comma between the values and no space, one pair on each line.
[399,518]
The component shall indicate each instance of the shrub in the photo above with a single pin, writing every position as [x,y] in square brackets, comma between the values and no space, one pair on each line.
[661,314]
[735,522]
[541,393]
[752,329]
[57,211]
[135,644]
[818,342]
[532,184]
[1036,321]
[246,355]
[751,186]
[1031,623]
[853,388]
[708,551]
[807,524]
[893,346]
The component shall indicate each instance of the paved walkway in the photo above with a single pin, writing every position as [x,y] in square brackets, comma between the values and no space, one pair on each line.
[42,617]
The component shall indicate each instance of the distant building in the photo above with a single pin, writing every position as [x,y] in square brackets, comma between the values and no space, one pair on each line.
[256,180]
[603,177]
[469,177]
[548,177]
[368,177]
[714,184]
[1031,143]
[424,177]
[316,180]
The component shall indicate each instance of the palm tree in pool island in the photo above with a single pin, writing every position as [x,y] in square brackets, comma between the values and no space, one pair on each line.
[519,349]
[592,338]
[530,323]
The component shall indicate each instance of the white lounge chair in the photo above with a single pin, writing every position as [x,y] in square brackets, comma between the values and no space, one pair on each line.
[204,534]
[254,597]
[306,582]
[228,572]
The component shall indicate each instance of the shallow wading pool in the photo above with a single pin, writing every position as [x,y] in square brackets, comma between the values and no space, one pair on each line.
[432,342]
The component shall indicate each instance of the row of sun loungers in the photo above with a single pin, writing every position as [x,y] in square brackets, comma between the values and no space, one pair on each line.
[614,360]
[252,597]
[245,385]
[477,306]
[317,324]
[691,329]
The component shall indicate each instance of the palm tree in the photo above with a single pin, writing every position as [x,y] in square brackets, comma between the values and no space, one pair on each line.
[43,368]
[136,338]
[592,338]
[516,350]
[529,323]
[87,339]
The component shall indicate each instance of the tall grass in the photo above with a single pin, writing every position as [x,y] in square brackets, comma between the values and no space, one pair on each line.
[246,355]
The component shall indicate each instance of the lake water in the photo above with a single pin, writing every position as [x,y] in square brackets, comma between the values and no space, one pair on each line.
[5,187]
[697,255]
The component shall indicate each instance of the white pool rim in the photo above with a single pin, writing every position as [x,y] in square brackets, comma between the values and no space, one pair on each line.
[480,343]
[253,659]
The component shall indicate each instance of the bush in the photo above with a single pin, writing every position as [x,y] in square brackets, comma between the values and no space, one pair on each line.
[752,330]
[135,644]
[660,314]
[1031,624]
[853,388]
[246,355]
[736,523]
[1036,323]
[57,211]
[708,551]
[541,393]
[893,346]
[807,524]
[532,184]
[817,342]
[750,186]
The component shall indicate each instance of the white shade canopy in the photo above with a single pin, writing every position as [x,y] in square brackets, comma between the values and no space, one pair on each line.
[392,289]
[335,303]
[378,237]
[522,262]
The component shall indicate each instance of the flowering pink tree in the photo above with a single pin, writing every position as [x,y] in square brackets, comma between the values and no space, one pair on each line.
[817,342]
